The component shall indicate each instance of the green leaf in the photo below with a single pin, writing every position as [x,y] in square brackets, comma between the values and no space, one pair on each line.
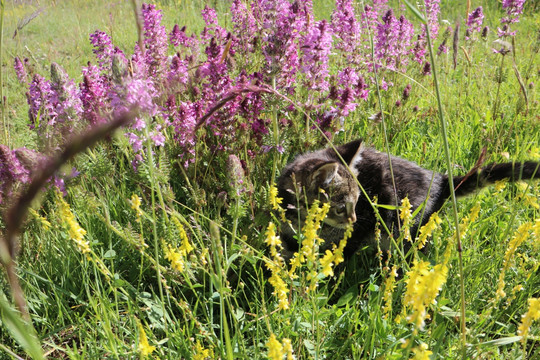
[23,332]
[415,12]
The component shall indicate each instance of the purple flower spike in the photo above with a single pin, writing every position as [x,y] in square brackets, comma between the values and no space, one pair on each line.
[20,70]
[475,20]
[155,40]
[316,48]
[103,48]
[513,8]
[93,95]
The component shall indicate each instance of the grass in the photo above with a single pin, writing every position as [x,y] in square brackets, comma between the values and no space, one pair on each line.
[210,295]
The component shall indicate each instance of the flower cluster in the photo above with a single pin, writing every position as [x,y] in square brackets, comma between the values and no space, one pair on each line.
[75,232]
[423,286]
[474,22]
[277,350]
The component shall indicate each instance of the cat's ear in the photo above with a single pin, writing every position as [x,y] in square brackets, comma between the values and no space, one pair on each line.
[349,150]
[323,175]
[354,164]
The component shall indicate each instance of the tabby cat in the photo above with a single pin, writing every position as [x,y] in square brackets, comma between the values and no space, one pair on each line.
[302,179]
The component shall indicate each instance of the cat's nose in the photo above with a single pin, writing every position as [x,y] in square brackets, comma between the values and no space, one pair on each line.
[352,218]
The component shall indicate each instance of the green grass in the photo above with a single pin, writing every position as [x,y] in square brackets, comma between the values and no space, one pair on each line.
[86,306]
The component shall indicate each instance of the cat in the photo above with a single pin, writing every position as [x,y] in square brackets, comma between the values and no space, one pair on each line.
[302,180]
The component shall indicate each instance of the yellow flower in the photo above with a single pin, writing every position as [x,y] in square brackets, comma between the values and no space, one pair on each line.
[519,237]
[405,215]
[201,353]
[44,222]
[185,246]
[174,256]
[427,230]
[280,288]
[136,205]
[423,286]
[274,242]
[532,314]
[144,347]
[287,348]
[500,185]
[275,201]
[75,232]
[389,285]
[421,352]
[275,349]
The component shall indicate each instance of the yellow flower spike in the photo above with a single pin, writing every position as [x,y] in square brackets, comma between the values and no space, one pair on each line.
[136,206]
[389,285]
[423,286]
[427,229]
[75,232]
[287,349]
[275,201]
[144,347]
[421,352]
[405,215]
[500,185]
[275,349]
[44,222]
[519,237]
[174,256]
[532,314]
[201,353]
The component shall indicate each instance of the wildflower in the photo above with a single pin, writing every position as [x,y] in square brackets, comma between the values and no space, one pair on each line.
[174,256]
[423,286]
[20,71]
[389,285]
[427,68]
[513,8]
[345,27]
[427,229]
[103,48]
[421,352]
[275,201]
[144,347]
[532,314]
[44,222]
[155,40]
[316,49]
[287,348]
[405,215]
[75,232]
[393,39]
[93,94]
[136,206]
[500,185]
[275,349]
[519,237]
[406,92]
[273,241]
[201,353]
[474,21]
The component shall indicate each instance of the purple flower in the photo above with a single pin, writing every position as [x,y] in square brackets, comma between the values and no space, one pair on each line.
[20,71]
[11,171]
[513,8]
[427,68]
[155,41]
[178,72]
[393,40]
[103,48]
[406,92]
[67,99]
[93,95]
[244,24]
[433,8]
[474,21]
[316,48]
[345,27]
[40,99]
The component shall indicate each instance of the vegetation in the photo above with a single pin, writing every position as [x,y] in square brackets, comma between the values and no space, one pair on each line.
[161,239]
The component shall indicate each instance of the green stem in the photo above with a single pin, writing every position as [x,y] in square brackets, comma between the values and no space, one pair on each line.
[2,102]
[452,192]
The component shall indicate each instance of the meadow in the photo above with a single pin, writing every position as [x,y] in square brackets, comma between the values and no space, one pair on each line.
[140,144]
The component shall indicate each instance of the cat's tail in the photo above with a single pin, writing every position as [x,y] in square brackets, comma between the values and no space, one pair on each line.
[478,179]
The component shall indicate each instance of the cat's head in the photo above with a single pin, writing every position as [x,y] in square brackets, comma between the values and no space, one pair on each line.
[321,176]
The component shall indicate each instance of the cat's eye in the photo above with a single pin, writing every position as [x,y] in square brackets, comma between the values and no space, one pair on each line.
[340,210]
